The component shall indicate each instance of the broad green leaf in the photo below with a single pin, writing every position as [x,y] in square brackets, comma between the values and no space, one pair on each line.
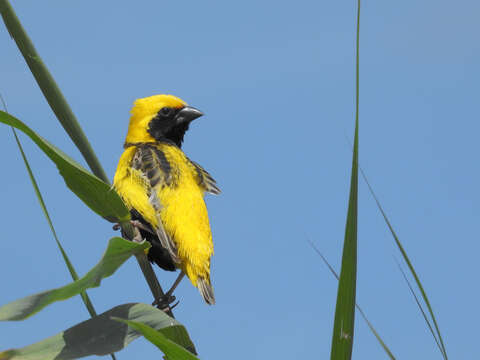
[118,251]
[101,335]
[172,350]
[97,195]
[344,323]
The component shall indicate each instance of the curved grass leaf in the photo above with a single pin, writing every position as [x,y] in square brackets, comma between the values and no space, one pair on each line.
[118,251]
[172,350]
[419,304]
[95,193]
[101,335]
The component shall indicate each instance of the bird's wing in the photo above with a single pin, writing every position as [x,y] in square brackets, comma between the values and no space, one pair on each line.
[205,180]
[156,169]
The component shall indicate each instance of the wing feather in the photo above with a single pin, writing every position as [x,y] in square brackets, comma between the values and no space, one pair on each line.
[205,180]
[156,169]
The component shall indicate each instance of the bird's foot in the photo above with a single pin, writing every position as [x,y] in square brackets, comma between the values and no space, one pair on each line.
[165,302]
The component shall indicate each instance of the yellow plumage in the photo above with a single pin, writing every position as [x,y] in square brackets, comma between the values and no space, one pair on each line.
[157,180]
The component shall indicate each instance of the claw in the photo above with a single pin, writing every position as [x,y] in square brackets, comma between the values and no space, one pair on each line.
[174,305]
[164,303]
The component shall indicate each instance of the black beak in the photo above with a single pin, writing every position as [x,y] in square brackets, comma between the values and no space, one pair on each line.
[187,114]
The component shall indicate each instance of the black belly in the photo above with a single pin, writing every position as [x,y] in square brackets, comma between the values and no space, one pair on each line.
[157,253]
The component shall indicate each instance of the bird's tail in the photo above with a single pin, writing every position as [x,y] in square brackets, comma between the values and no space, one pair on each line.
[206,289]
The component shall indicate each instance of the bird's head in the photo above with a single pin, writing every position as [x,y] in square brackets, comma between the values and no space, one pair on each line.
[160,117]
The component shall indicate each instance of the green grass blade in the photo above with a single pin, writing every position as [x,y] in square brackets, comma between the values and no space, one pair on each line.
[343,328]
[417,300]
[95,193]
[372,329]
[118,251]
[50,89]
[370,325]
[102,335]
[172,350]
[410,266]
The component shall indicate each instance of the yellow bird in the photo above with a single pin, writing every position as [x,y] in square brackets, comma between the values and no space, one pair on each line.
[164,190]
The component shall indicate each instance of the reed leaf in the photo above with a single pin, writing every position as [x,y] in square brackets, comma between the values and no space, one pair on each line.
[344,323]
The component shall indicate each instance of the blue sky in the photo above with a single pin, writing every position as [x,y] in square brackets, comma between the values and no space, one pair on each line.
[276,83]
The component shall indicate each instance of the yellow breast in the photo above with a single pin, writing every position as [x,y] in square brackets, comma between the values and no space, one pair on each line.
[184,215]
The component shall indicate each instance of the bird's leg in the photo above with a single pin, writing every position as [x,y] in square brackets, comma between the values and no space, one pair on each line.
[175,284]
[137,224]
[168,298]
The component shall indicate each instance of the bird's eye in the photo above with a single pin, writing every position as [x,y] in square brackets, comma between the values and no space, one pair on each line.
[165,111]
